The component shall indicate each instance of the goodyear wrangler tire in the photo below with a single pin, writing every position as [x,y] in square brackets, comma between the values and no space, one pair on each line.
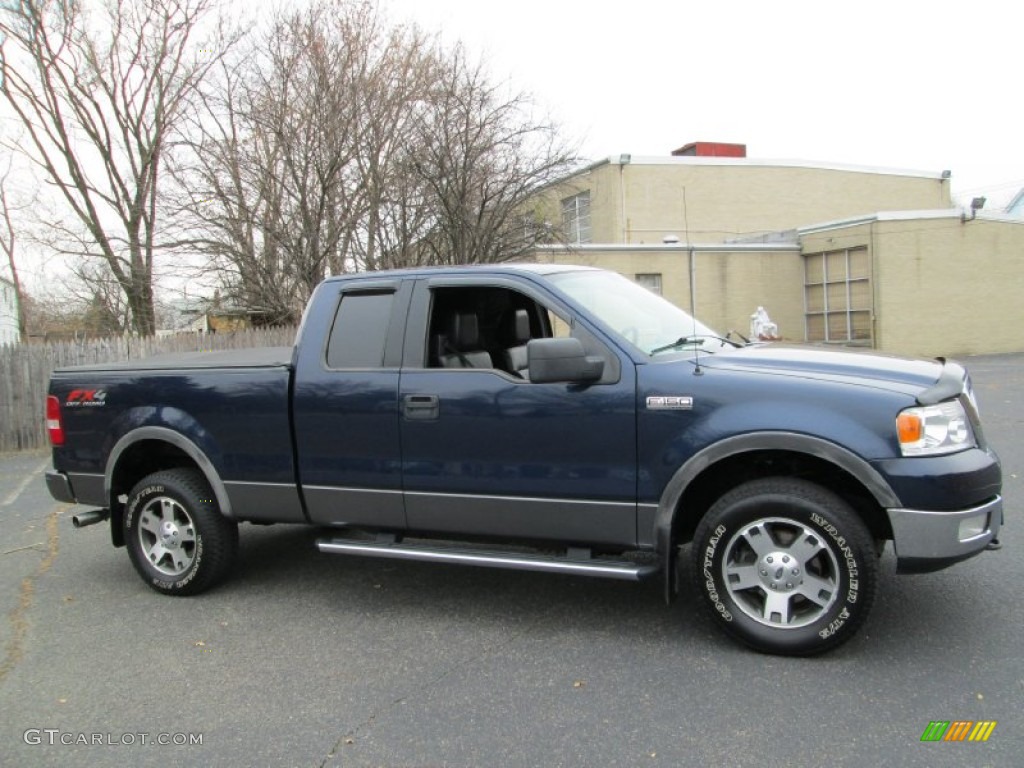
[785,566]
[177,538]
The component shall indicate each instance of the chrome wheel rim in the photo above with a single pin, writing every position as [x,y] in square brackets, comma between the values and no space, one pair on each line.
[781,573]
[167,536]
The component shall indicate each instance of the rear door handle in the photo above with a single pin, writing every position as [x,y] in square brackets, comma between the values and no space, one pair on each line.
[421,407]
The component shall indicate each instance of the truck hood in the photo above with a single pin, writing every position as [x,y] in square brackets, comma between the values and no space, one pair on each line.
[841,365]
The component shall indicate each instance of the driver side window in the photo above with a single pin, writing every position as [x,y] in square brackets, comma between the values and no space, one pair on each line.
[487,327]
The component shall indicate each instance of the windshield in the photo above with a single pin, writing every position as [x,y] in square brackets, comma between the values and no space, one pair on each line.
[644,319]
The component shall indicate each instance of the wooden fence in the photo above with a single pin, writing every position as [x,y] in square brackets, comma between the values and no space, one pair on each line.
[25,371]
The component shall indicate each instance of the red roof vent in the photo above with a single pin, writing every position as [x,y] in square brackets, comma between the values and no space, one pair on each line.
[711,149]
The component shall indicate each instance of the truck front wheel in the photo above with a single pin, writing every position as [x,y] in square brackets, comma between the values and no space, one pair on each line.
[177,538]
[785,566]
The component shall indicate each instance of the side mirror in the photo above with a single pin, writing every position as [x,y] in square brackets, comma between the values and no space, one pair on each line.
[555,360]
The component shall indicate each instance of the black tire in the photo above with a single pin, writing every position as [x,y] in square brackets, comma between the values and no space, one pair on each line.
[785,566]
[177,539]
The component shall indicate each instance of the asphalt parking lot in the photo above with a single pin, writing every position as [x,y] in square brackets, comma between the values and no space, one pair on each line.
[306,659]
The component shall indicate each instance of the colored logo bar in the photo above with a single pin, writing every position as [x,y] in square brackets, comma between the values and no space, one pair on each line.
[959,730]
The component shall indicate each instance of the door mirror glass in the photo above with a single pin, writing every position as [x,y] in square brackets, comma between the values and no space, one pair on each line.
[562,360]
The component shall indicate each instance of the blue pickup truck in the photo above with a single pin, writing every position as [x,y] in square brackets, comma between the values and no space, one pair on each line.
[542,417]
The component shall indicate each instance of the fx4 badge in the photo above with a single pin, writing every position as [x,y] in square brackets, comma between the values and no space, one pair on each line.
[79,398]
[670,403]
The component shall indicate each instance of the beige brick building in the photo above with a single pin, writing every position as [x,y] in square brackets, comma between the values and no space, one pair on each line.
[868,257]
[938,282]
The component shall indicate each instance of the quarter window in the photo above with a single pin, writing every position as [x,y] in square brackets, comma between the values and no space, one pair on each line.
[360,330]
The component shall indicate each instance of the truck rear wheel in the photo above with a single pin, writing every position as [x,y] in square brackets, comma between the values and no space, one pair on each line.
[785,566]
[177,538]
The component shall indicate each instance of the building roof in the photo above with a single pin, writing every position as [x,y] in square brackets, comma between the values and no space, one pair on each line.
[748,162]
[680,247]
[940,213]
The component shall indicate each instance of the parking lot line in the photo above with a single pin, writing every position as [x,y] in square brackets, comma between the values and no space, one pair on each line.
[13,495]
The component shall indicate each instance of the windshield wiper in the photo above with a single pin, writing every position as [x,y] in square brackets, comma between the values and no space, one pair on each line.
[698,338]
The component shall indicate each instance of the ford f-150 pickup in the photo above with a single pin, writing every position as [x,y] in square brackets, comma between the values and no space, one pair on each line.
[543,417]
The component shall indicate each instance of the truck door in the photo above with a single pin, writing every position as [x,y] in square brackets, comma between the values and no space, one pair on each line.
[345,403]
[484,450]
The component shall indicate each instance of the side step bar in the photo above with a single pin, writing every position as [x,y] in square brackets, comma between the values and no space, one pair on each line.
[622,570]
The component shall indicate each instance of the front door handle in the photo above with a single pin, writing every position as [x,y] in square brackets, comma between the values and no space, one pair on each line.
[421,407]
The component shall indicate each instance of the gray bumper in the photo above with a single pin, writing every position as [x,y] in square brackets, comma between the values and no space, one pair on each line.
[929,541]
[59,486]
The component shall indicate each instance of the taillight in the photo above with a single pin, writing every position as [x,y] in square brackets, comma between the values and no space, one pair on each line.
[53,423]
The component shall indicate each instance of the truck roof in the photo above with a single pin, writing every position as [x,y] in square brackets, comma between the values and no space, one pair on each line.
[506,268]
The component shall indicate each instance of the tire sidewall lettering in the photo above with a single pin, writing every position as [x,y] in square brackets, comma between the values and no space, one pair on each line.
[195,564]
[137,500]
[710,583]
[845,553]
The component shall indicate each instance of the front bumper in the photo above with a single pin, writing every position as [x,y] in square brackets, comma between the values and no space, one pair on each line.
[929,540]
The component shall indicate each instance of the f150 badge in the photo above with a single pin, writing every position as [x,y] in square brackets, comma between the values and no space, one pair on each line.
[670,403]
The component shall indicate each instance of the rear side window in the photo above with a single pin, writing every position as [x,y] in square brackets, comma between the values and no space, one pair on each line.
[360,330]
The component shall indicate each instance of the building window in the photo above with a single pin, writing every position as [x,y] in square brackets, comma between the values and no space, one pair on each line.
[576,218]
[651,281]
[837,296]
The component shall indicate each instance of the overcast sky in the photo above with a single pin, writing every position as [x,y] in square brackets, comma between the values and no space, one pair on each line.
[925,86]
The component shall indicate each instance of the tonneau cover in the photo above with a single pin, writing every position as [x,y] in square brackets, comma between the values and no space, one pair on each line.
[257,357]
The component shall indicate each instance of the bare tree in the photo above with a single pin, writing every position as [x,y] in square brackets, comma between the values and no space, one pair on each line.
[269,180]
[483,156]
[99,100]
[105,311]
[391,97]
[293,158]
[49,316]
[66,310]
[9,244]
[230,200]
[343,143]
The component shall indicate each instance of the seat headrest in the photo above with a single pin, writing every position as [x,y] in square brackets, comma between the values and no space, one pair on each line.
[515,328]
[522,326]
[464,332]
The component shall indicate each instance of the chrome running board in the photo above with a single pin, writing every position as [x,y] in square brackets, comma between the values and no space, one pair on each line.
[576,562]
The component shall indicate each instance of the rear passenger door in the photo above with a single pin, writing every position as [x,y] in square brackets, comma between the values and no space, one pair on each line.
[487,452]
[346,404]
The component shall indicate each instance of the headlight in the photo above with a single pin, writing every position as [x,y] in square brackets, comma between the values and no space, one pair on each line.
[932,430]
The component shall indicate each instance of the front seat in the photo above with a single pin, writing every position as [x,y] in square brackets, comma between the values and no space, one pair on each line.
[517,334]
[461,347]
